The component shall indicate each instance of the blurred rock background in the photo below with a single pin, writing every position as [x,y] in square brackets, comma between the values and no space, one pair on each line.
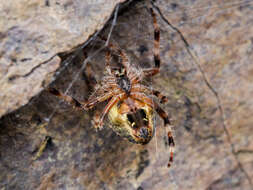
[207,96]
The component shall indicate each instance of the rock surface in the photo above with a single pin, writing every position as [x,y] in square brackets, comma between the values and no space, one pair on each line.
[78,157]
[33,33]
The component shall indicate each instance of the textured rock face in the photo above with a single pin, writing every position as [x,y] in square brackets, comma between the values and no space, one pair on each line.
[32,33]
[78,157]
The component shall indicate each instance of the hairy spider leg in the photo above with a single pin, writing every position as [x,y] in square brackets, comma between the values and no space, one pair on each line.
[154,70]
[93,101]
[110,104]
[75,103]
[108,80]
[142,97]
[106,89]
[91,81]
[89,76]
[82,105]
[108,58]
[142,88]
[167,124]
[108,68]
[123,55]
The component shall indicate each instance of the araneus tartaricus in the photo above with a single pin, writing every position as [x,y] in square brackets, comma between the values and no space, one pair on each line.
[129,108]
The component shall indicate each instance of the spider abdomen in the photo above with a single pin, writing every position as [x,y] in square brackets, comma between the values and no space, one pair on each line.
[137,126]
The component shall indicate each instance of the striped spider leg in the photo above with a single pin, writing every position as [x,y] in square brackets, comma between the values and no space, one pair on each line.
[129,106]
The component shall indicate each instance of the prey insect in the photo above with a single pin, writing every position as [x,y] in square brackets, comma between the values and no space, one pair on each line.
[130,108]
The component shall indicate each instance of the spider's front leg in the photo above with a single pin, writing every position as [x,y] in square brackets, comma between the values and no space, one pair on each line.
[156,68]
[95,99]
[99,118]
[142,97]
[142,88]
[89,76]
[97,121]
[75,103]
[119,52]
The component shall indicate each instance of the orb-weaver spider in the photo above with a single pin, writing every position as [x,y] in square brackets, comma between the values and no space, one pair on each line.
[129,108]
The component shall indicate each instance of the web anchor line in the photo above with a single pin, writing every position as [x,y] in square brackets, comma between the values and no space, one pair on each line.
[69,59]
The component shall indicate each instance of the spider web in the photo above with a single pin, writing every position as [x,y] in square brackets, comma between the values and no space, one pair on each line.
[195,14]
[70,58]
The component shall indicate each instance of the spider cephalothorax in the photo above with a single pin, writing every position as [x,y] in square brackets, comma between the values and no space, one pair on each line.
[130,107]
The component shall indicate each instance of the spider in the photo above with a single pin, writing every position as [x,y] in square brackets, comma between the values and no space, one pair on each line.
[129,107]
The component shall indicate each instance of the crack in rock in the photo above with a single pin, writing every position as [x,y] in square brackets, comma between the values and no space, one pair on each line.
[14,77]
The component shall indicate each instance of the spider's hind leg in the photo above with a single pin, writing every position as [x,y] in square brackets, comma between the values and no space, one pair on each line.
[167,124]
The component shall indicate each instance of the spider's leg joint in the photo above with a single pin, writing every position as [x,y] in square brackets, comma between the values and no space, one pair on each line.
[96,122]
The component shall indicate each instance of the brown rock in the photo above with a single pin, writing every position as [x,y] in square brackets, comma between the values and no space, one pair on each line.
[33,33]
[78,157]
